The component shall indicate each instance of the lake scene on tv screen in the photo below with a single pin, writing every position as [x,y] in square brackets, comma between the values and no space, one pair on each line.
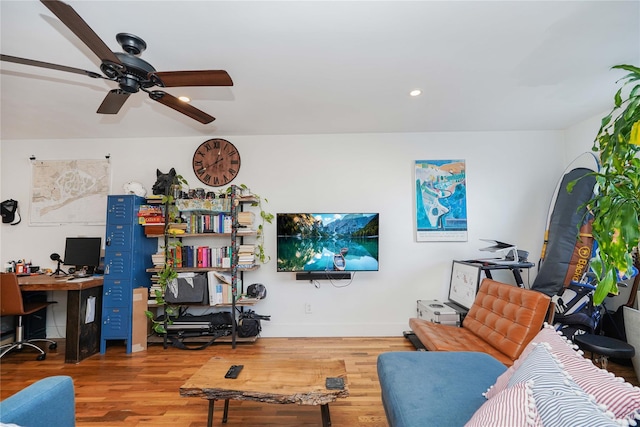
[327,241]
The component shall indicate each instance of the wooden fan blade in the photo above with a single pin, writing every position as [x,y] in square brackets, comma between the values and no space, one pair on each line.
[32,62]
[193,78]
[112,103]
[80,28]
[180,106]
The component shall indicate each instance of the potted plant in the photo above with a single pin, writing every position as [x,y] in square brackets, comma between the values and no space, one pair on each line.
[616,202]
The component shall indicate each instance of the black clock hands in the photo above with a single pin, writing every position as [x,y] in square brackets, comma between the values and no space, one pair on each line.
[204,168]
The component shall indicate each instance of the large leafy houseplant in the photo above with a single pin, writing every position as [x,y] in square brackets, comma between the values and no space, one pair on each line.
[615,205]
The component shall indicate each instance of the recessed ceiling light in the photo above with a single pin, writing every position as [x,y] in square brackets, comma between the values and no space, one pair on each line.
[415,92]
[184,98]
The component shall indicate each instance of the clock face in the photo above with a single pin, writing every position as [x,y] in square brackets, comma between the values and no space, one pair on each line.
[216,162]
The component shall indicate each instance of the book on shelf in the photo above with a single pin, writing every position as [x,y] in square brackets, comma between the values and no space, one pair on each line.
[227,224]
[219,286]
[244,298]
[246,266]
[150,220]
[149,210]
[246,218]
[245,231]
[152,292]
[158,259]
[204,256]
[153,229]
[222,277]
[197,223]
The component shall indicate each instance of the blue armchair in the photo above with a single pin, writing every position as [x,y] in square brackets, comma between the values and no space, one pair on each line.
[49,401]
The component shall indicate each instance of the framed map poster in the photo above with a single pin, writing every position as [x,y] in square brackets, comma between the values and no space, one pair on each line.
[69,191]
[441,200]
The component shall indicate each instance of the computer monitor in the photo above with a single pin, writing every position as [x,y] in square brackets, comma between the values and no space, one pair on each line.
[83,253]
[465,280]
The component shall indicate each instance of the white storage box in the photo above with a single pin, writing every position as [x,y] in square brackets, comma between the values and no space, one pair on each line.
[439,312]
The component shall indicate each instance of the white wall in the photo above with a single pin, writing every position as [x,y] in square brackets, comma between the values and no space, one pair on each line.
[511,176]
[580,137]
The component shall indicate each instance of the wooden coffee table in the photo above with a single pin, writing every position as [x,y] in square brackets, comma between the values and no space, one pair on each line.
[270,381]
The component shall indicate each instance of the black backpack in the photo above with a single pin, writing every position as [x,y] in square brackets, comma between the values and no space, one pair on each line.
[9,211]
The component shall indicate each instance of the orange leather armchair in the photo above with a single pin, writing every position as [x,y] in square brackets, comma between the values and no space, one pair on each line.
[501,322]
[11,304]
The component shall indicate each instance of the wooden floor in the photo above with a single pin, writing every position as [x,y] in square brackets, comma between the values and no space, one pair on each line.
[142,389]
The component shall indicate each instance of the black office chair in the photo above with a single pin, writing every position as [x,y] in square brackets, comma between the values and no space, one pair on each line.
[11,304]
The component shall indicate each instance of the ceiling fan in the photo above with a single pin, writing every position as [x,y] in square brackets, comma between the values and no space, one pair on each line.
[126,68]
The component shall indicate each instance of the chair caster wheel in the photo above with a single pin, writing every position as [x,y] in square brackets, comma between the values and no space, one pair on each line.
[53,346]
[41,357]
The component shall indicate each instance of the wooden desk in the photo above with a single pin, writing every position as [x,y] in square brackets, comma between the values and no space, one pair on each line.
[82,339]
[300,381]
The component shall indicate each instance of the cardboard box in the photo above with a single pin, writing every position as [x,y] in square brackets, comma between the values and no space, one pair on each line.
[139,321]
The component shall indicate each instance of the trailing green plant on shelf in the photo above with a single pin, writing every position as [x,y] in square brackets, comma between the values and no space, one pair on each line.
[616,202]
[168,273]
[266,217]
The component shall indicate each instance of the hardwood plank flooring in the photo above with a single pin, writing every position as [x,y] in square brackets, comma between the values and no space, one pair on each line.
[142,389]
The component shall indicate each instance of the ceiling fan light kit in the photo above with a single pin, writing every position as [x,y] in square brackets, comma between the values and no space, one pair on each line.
[131,73]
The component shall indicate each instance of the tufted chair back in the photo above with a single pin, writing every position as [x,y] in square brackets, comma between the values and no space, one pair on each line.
[506,316]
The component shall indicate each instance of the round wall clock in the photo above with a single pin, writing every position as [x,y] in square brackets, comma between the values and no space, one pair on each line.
[216,162]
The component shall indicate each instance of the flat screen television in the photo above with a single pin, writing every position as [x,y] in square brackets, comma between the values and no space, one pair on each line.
[83,253]
[327,242]
[465,281]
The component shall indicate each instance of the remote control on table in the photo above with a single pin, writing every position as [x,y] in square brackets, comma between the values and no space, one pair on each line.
[334,383]
[234,371]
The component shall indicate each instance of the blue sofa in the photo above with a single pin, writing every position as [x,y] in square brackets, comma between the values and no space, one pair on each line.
[550,384]
[45,403]
[434,388]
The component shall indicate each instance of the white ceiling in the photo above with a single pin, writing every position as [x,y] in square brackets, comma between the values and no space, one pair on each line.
[325,66]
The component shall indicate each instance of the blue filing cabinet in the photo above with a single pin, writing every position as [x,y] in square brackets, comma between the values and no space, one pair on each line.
[127,256]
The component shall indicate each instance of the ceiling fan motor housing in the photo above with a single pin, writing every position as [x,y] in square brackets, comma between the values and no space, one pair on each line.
[132,76]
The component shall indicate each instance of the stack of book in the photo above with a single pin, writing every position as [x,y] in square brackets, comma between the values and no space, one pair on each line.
[155,286]
[152,218]
[158,259]
[246,255]
[155,199]
[245,219]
